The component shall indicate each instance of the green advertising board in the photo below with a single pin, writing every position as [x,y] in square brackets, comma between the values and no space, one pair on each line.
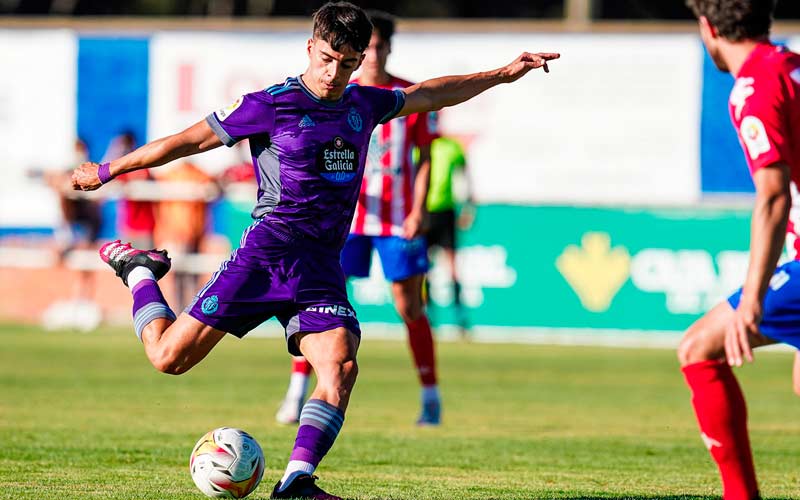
[574,267]
[568,267]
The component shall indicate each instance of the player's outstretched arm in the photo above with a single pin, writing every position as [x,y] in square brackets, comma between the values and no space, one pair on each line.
[438,93]
[195,139]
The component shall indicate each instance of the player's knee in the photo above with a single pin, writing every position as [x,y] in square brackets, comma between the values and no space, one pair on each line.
[684,350]
[338,377]
[692,348]
[168,363]
[409,312]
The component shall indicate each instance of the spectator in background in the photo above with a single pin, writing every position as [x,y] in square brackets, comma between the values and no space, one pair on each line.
[136,219]
[447,157]
[181,219]
[79,227]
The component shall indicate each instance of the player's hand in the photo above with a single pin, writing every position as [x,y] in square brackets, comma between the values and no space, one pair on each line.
[526,62]
[744,323]
[84,178]
[413,225]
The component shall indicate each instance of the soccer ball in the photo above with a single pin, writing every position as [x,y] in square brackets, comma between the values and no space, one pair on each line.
[227,463]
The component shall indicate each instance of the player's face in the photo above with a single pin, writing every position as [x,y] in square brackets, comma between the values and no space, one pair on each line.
[711,40]
[376,54]
[329,70]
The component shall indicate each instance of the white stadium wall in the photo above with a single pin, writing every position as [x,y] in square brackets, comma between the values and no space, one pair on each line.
[616,120]
[37,119]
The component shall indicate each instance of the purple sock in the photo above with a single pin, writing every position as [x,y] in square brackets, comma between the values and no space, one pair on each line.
[320,423]
[148,304]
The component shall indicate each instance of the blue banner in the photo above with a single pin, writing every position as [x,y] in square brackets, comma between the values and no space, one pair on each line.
[112,90]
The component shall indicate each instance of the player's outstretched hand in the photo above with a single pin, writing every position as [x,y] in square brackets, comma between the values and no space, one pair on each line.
[743,325]
[528,61]
[84,178]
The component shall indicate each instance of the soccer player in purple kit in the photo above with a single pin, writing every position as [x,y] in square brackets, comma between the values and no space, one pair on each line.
[308,138]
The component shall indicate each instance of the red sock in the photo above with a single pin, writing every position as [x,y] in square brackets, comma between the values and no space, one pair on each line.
[722,414]
[300,365]
[420,338]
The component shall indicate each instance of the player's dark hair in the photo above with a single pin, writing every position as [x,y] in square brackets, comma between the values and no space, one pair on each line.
[342,23]
[736,20]
[383,23]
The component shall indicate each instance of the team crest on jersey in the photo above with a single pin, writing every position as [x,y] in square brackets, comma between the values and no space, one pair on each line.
[337,161]
[354,120]
[754,136]
[742,89]
[227,111]
[210,305]
[378,148]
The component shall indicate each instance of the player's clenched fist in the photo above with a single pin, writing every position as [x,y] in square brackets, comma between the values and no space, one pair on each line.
[85,178]
[528,61]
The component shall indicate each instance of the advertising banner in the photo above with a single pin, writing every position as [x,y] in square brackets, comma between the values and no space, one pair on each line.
[575,268]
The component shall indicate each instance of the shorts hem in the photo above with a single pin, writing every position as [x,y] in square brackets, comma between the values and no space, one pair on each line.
[214,323]
[294,349]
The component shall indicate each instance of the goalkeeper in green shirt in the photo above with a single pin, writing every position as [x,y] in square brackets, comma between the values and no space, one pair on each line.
[447,156]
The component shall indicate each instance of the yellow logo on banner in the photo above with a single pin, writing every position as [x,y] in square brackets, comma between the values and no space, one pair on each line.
[594,270]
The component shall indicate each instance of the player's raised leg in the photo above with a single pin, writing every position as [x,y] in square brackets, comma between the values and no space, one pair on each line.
[333,356]
[171,346]
[289,411]
[718,401]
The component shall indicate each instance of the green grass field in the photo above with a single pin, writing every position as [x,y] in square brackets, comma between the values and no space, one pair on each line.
[84,416]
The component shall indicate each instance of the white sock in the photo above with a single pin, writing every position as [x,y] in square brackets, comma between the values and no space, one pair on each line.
[298,384]
[138,274]
[430,393]
[294,469]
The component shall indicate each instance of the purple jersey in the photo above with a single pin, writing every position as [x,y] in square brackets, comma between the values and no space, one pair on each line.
[308,154]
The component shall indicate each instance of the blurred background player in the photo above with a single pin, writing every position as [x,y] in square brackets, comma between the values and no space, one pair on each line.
[78,229]
[765,108]
[389,218]
[135,216]
[448,158]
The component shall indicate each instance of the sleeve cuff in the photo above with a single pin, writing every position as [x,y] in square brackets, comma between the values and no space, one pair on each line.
[400,97]
[217,128]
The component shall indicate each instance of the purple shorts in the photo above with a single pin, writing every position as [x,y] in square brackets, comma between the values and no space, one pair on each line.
[275,274]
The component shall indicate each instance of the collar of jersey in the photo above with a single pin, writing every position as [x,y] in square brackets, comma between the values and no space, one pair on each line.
[316,99]
[758,52]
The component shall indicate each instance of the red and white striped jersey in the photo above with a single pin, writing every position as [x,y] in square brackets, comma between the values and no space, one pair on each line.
[387,189]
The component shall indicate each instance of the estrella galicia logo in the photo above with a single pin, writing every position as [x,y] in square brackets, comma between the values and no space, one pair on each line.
[210,305]
[337,161]
[354,120]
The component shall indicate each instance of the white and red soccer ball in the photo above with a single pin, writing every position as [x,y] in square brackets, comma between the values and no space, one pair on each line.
[227,463]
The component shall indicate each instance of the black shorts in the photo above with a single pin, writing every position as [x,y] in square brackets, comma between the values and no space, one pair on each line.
[442,230]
